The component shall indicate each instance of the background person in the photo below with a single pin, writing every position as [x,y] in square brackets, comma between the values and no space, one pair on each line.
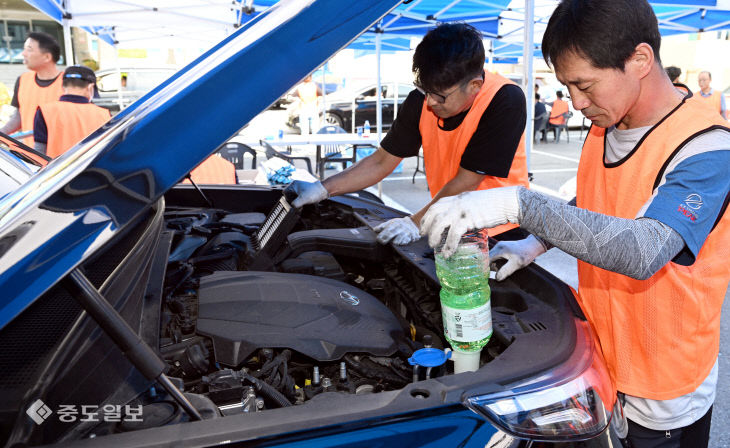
[674,73]
[559,107]
[650,229]
[309,94]
[61,124]
[470,124]
[40,85]
[713,98]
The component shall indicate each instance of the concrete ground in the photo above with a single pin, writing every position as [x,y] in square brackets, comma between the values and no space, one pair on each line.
[553,166]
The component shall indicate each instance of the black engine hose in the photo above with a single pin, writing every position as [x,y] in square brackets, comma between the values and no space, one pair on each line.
[267,391]
[374,372]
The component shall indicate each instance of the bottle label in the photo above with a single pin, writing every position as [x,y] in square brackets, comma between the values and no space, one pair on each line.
[467,325]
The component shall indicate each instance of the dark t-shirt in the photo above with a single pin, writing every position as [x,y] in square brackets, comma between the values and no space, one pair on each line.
[40,82]
[493,145]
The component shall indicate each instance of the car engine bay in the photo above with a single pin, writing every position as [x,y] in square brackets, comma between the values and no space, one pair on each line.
[269,311]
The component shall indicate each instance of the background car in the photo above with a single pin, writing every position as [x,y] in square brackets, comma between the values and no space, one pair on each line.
[340,106]
[133,82]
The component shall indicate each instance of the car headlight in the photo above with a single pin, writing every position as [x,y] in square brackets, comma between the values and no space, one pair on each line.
[570,403]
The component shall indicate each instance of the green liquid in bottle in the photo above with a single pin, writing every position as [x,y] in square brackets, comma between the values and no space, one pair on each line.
[465,294]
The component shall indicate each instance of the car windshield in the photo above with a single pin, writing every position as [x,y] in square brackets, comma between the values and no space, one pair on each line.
[15,168]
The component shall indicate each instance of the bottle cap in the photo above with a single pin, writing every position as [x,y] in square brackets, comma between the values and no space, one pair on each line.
[466,361]
[428,357]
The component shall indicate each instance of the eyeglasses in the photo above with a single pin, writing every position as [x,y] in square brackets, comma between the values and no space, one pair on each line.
[441,99]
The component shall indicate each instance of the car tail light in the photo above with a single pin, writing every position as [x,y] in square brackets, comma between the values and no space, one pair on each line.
[572,402]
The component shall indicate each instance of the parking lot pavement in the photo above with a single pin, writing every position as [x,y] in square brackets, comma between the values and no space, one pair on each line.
[554,166]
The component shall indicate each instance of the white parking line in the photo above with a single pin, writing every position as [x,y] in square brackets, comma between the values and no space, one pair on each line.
[543,153]
[420,176]
[549,191]
[556,170]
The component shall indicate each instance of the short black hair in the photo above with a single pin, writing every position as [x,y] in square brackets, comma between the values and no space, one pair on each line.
[559,94]
[604,32]
[80,83]
[47,44]
[537,96]
[673,73]
[447,55]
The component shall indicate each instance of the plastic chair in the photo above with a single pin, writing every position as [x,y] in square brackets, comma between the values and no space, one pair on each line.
[419,162]
[333,153]
[557,128]
[234,152]
[272,152]
[541,122]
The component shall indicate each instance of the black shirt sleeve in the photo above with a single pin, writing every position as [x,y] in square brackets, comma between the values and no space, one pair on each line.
[14,102]
[494,144]
[40,130]
[404,137]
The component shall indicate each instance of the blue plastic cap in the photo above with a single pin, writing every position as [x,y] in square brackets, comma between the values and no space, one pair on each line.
[429,357]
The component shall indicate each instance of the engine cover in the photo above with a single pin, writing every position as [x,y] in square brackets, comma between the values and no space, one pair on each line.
[318,317]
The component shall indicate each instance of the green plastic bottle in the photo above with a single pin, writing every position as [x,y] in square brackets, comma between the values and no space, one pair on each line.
[465,295]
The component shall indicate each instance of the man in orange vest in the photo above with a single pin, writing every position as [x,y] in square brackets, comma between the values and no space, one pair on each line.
[559,107]
[470,123]
[61,124]
[40,85]
[713,98]
[649,224]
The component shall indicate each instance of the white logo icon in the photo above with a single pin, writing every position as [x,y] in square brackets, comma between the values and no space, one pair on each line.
[694,201]
[38,411]
[349,298]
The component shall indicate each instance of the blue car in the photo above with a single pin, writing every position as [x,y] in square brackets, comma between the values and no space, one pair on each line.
[139,311]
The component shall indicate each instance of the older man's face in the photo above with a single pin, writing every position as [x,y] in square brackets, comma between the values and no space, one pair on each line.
[604,95]
[704,81]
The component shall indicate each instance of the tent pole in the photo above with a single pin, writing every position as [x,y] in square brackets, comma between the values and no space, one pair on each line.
[378,97]
[67,41]
[324,98]
[529,76]
[491,55]
[119,78]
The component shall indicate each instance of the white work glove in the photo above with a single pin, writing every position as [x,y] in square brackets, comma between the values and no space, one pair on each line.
[400,230]
[517,253]
[469,211]
[307,192]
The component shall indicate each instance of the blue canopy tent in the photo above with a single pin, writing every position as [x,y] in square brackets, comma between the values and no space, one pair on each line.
[501,21]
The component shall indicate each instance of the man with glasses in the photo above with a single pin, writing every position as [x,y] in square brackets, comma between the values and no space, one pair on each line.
[470,124]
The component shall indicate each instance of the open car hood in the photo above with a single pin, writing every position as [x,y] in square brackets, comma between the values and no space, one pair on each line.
[80,200]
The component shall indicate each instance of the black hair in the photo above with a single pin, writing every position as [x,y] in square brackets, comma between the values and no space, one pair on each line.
[559,94]
[47,44]
[673,73]
[75,82]
[604,32]
[447,55]
[537,96]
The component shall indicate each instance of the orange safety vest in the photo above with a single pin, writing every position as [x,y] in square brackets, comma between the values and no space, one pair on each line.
[660,337]
[307,92]
[714,100]
[68,123]
[442,150]
[559,108]
[214,170]
[31,95]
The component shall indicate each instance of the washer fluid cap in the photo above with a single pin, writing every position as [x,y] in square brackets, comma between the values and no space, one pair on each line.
[429,357]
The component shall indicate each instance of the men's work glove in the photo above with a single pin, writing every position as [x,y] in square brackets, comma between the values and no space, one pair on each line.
[400,230]
[469,211]
[517,253]
[307,192]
